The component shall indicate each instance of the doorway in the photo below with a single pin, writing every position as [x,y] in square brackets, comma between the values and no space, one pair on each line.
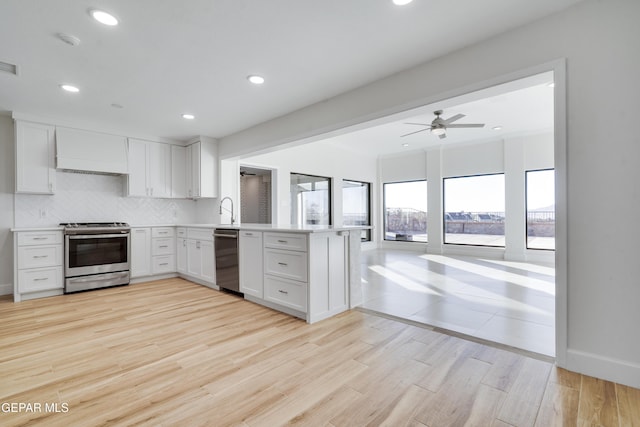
[255,195]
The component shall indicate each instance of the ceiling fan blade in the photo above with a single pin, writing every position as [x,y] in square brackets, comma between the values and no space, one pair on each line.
[467,125]
[418,124]
[443,136]
[411,133]
[453,118]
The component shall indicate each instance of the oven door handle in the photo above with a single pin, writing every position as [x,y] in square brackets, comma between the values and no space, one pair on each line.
[95,236]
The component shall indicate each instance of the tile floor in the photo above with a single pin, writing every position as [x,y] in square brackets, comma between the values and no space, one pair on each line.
[512,303]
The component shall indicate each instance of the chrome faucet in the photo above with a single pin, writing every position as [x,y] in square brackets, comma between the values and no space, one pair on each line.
[230,211]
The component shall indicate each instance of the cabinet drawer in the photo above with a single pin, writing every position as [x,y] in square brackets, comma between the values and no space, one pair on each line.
[287,264]
[40,279]
[39,238]
[163,232]
[163,246]
[294,242]
[39,256]
[181,232]
[200,233]
[286,292]
[163,264]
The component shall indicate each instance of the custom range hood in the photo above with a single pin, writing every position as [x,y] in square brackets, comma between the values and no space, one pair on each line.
[91,152]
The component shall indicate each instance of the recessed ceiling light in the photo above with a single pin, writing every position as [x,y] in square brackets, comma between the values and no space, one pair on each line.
[70,88]
[497,128]
[104,17]
[401,2]
[255,79]
[188,116]
[405,145]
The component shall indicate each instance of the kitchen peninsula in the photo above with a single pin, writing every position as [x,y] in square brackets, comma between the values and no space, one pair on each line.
[311,272]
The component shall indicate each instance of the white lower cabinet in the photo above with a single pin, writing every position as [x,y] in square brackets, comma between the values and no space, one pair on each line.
[303,274]
[289,293]
[163,248]
[38,264]
[140,252]
[251,263]
[195,257]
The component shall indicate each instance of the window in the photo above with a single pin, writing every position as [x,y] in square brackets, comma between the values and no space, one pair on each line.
[356,205]
[405,211]
[541,209]
[474,210]
[310,200]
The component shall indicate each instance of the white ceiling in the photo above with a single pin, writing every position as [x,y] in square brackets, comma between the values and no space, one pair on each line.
[171,57]
[522,107]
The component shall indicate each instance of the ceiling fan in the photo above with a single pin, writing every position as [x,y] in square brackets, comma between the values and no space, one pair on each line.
[439,125]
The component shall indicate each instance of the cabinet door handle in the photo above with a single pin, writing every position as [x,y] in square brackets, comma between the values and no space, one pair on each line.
[39,238]
[198,245]
[39,279]
[163,246]
[164,263]
[282,241]
[41,256]
[283,292]
[283,263]
[248,234]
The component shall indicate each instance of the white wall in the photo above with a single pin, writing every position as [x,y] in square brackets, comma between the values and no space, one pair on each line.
[599,267]
[7,188]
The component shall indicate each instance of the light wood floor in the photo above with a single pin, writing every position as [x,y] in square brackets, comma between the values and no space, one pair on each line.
[174,353]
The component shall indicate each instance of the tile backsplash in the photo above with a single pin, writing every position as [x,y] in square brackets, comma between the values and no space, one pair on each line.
[83,197]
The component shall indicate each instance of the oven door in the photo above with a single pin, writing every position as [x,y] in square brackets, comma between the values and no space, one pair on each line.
[96,253]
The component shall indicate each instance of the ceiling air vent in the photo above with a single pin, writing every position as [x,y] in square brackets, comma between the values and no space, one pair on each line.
[9,68]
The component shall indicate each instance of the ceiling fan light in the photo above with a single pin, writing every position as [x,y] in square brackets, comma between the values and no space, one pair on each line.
[438,131]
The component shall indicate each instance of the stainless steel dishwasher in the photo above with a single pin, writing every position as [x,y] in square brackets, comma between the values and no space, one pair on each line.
[226,254]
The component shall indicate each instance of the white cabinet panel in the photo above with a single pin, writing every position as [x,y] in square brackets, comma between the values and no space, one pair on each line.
[289,241]
[286,292]
[288,264]
[149,169]
[202,174]
[140,252]
[137,180]
[179,172]
[39,256]
[40,279]
[27,238]
[208,261]
[194,258]
[35,158]
[159,169]
[181,255]
[251,263]
[163,264]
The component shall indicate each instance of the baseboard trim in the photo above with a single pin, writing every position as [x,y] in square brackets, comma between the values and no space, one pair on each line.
[619,371]
[6,289]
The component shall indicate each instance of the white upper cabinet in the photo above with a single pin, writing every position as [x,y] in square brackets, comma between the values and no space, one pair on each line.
[179,172]
[149,169]
[202,176]
[35,158]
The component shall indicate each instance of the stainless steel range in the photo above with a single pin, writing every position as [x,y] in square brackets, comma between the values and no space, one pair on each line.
[96,255]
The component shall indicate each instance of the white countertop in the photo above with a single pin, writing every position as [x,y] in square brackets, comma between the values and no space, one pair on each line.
[52,228]
[291,228]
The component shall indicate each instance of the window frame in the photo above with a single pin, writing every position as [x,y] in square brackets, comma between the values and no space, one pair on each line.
[444,213]
[330,193]
[369,206]
[384,210]
[526,209]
